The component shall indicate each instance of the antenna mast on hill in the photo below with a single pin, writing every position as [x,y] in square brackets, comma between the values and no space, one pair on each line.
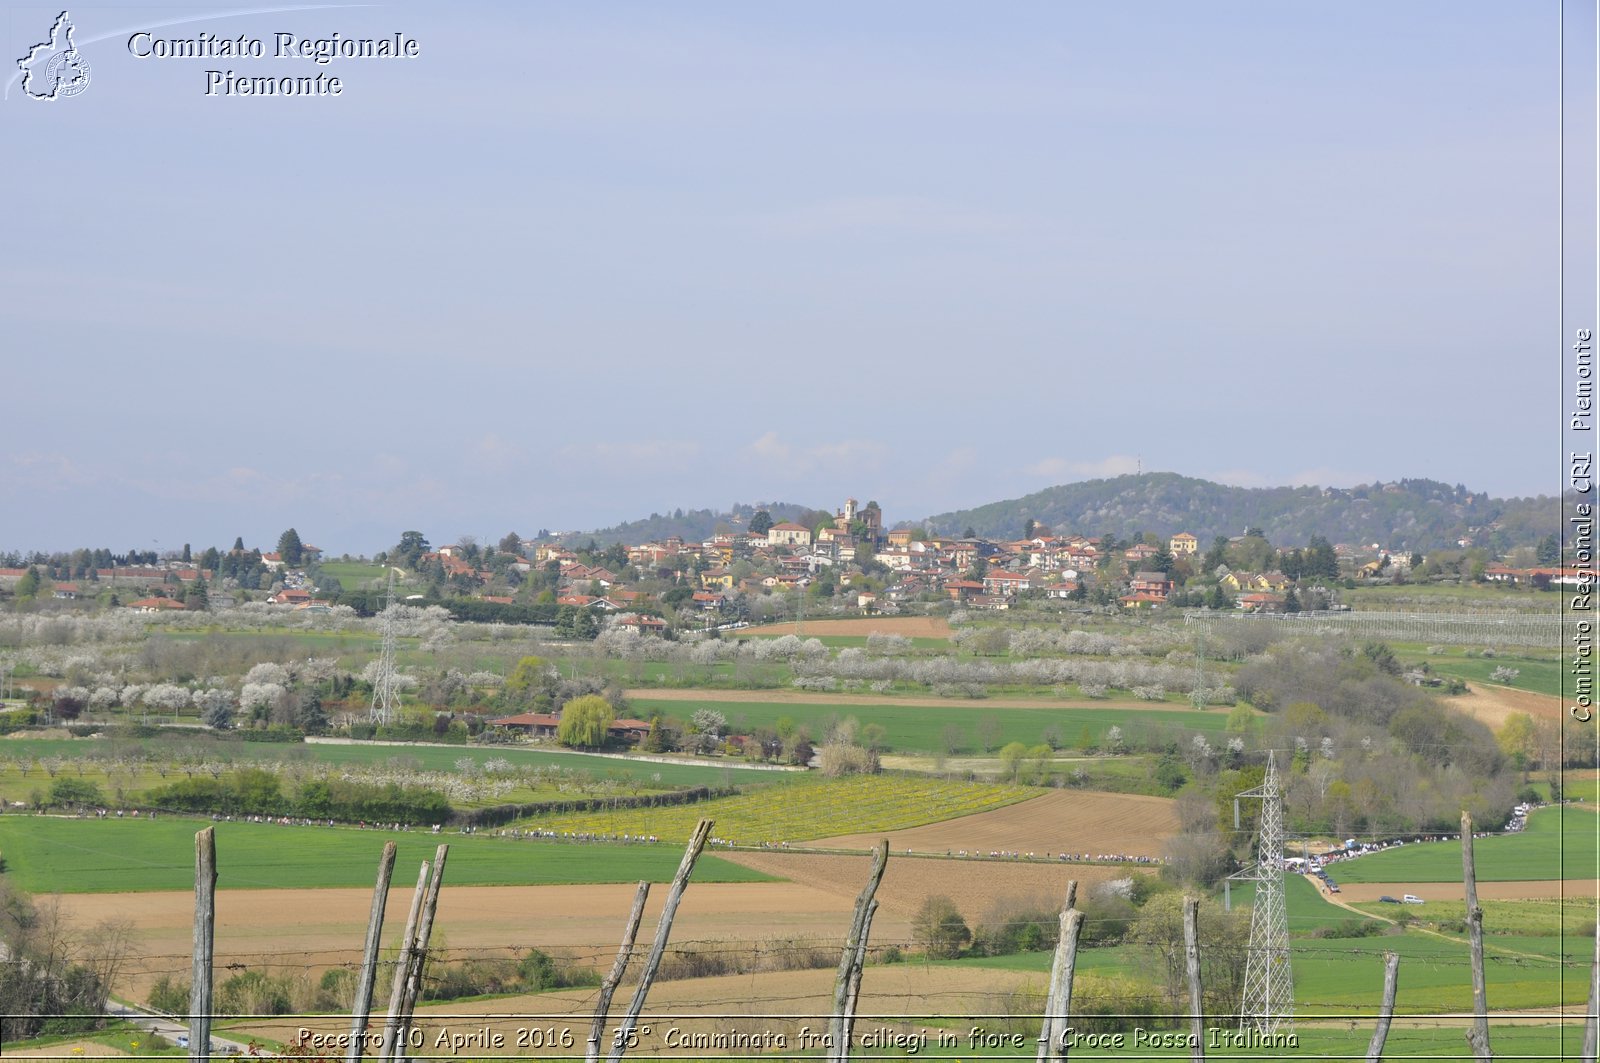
[1268,1005]
[385,692]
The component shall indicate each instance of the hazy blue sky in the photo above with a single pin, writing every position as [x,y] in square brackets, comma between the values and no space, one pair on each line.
[581,262]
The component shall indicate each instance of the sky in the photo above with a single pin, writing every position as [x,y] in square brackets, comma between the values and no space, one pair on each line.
[574,264]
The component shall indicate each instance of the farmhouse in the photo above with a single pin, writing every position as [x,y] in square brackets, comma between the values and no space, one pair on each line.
[544,724]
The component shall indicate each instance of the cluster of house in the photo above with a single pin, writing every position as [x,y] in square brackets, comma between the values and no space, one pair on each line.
[788,556]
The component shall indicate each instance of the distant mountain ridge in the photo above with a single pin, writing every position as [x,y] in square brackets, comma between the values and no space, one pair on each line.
[1415,515]
[1405,515]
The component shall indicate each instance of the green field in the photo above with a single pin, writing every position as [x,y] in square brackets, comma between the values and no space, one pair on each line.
[1336,977]
[804,809]
[1306,908]
[353,575]
[1540,675]
[1439,597]
[1341,1041]
[920,728]
[50,855]
[1568,915]
[594,775]
[1558,843]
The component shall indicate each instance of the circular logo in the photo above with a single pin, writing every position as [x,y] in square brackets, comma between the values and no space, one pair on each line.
[67,73]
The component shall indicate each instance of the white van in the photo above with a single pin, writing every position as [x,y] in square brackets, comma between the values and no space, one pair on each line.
[1411,898]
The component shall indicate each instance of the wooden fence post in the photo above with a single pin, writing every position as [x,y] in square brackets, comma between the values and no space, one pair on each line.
[1478,1036]
[854,952]
[205,920]
[1191,961]
[1049,1028]
[361,1009]
[625,1029]
[1391,972]
[397,991]
[1589,1021]
[608,988]
[853,991]
[419,948]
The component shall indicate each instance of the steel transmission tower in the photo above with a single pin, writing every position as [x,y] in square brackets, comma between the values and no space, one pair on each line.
[1268,1005]
[385,691]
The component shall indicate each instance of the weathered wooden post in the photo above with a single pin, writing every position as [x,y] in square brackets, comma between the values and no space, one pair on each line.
[1478,1036]
[402,966]
[853,991]
[1589,1021]
[1047,1028]
[1191,961]
[608,988]
[361,1008]
[851,958]
[1391,972]
[205,920]
[419,949]
[630,1021]
[1058,1005]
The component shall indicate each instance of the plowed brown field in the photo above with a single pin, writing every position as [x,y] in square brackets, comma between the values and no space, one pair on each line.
[1062,821]
[976,886]
[917,627]
[313,929]
[1494,705]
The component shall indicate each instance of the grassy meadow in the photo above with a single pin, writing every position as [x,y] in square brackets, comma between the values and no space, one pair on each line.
[1557,843]
[803,809]
[921,728]
[48,854]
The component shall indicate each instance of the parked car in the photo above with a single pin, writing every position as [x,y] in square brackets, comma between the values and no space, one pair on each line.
[1388,900]
[1411,898]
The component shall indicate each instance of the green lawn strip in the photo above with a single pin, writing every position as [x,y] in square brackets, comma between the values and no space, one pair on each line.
[1541,676]
[803,809]
[1529,918]
[1435,973]
[711,772]
[1337,977]
[1585,790]
[1308,912]
[920,728]
[1406,597]
[1544,850]
[353,574]
[46,855]
[1526,1044]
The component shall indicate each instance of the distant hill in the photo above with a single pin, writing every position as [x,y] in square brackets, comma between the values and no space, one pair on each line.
[1410,514]
[694,525]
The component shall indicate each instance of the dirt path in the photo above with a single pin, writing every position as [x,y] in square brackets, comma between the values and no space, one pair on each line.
[807,697]
[1488,946]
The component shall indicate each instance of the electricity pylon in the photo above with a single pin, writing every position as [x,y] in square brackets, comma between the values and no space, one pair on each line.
[1268,1004]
